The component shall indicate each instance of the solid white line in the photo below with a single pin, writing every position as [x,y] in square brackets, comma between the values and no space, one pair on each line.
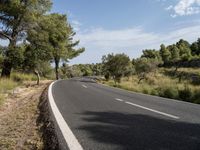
[119,99]
[69,137]
[159,112]
[84,86]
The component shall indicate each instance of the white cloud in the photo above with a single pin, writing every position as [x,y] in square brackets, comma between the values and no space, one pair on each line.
[115,38]
[76,25]
[169,7]
[131,41]
[185,8]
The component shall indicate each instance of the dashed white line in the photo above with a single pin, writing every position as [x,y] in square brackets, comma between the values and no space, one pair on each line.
[84,86]
[69,137]
[118,99]
[156,111]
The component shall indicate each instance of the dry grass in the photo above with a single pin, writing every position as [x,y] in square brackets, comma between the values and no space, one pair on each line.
[18,119]
[159,84]
[7,84]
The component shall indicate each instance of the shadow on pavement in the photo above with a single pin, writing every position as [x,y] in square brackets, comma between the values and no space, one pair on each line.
[133,131]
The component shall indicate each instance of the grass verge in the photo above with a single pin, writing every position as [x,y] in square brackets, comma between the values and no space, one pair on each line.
[160,84]
[19,126]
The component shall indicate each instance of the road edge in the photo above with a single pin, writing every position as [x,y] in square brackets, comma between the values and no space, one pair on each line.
[65,130]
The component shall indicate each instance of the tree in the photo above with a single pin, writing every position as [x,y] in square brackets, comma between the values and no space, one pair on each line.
[151,54]
[195,47]
[60,35]
[38,50]
[1,55]
[144,66]
[85,69]
[116,65]
[34,61]
[165,54]
[54,38]
[66,71]
[129,70]
[97,69]
[184,48]
[174,53]
[16,18]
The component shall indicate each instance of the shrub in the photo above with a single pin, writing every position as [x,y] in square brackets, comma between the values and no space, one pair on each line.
[107,76]
[145,91]
[169,93]
[21,77]
[196,97]
[7,84]
[154,92]
[186,94]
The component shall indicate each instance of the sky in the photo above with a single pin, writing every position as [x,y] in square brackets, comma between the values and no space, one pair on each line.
[128,26]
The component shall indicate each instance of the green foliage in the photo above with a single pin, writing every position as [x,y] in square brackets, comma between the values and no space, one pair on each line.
[175,56]
[165,54]
[57,38]
[195,47]
[144,66]
[151,54]
[160,84]
[116,65]
[107,76]
[97,69]
[169,92]
[184,48]
[17,17]
[196,97]
[7,84]
[21,77]
[186,93]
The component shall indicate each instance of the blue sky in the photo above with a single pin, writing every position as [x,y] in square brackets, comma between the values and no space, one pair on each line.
[129,26]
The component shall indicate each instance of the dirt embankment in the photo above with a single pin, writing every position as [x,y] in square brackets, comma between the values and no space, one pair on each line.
[24,120]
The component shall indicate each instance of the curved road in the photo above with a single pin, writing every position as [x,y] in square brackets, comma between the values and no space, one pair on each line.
[104,118]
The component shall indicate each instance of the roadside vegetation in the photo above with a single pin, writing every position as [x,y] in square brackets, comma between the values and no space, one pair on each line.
[20,127]
[40,44]
[159,84]
[37,41]
[173,71]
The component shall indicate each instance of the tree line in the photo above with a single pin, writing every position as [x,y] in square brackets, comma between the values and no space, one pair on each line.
[35,37]
[116,66]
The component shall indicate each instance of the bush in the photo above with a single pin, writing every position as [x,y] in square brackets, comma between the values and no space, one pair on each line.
[21,77]
[145,91]
[7,84]
[107,76]
[186,94]
[169,93]
[154,92]
[196,97]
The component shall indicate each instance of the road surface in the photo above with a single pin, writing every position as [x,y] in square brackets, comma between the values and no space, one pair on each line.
[105,118]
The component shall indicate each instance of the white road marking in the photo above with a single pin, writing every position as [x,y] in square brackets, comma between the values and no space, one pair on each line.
[69,137]
[159,112]
[84,86]
[118,99]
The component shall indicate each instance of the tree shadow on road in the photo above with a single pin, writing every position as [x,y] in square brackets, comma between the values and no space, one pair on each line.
[133,131]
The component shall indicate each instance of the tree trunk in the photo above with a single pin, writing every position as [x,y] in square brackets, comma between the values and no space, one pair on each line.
[56,69]
[142,78]
[7,64]
[38,76]
[6,70]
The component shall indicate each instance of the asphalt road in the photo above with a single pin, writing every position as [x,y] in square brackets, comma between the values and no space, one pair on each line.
[104,118]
